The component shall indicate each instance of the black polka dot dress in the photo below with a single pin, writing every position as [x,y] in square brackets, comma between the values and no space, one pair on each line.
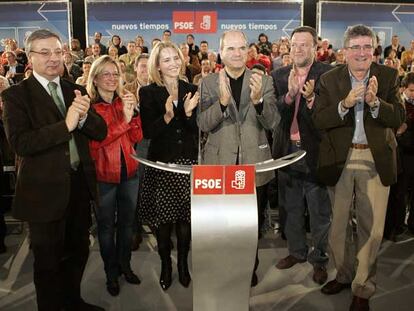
[165,196]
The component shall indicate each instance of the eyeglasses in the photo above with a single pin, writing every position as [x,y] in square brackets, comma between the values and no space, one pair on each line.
[48,53]
[108,75]
[357,48]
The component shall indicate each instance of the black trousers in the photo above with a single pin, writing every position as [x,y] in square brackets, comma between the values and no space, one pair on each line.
[61,250]
[399,196]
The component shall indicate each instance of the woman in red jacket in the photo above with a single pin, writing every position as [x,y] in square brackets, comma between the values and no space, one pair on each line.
[116,170]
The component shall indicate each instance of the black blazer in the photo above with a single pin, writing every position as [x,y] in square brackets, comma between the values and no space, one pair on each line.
[309,135]
[179,138]
[38,134]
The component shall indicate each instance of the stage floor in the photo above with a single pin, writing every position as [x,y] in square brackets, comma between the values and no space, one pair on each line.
[291,289]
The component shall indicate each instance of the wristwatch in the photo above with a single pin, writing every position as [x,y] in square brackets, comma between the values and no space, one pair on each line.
[376,104]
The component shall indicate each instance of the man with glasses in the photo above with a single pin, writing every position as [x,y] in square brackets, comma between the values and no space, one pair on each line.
[48,122]
[357,108]
[295,88]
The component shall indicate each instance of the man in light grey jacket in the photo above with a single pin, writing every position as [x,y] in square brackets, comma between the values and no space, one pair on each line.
[237,107]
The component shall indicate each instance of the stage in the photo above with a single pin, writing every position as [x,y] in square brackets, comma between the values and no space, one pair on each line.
[291,289]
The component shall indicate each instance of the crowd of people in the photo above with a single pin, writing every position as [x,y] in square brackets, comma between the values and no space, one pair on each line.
[72,118]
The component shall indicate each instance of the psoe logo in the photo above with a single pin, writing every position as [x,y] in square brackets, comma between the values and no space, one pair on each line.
[239,181]
[194,21]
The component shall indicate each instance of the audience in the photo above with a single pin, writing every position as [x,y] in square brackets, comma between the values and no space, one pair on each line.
[127,68]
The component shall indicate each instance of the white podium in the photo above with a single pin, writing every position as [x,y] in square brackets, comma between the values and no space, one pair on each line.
[224,230]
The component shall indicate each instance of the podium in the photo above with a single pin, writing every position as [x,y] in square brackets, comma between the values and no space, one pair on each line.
[224,228]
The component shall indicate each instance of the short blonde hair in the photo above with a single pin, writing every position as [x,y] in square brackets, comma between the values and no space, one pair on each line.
[154,62]
[113,48]
[96,69]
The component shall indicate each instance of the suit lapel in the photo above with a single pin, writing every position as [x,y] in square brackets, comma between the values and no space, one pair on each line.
[181,94]
[232,108]
[68,93]
[40,95]
[162,95]
[313,73]
[245,95]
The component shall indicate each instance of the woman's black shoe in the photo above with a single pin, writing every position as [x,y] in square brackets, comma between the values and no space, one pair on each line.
[131,277]
[183,274]
[166,271]
[112,287]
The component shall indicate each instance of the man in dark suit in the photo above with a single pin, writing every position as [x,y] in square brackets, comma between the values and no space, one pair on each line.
[396,46]
[295,88]
[358,107]
[48,122]
[14,70]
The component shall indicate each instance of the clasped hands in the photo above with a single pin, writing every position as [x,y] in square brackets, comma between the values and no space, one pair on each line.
[307,90]
[129,104]
[190,102]
[225,90]
[369,94]
[77,110]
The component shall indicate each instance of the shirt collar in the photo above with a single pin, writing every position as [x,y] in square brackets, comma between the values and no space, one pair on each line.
[236,79]
[305,70]
[101,100]
[44,82]
[353,79]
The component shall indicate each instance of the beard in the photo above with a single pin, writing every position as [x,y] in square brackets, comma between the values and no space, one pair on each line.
[304,62]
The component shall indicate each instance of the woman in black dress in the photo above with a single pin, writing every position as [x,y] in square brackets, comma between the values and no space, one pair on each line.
[168,117]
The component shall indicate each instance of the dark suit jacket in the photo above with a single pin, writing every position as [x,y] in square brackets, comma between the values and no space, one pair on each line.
[309,135]
[334,87]
[179,138]
[38,134]
[388,49]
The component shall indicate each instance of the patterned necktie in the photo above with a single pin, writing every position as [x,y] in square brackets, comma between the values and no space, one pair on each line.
[73,150]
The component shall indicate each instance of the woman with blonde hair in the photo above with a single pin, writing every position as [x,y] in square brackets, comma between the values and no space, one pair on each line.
[116,170]
[113,52]
[168,115]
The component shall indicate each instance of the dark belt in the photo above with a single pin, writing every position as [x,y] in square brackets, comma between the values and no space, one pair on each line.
[296,143]
[360,146]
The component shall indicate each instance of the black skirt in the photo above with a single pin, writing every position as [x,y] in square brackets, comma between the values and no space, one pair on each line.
[165,196]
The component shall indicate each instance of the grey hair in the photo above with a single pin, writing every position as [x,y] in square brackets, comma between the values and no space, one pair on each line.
[359,31]
[223,36]
[39,35]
